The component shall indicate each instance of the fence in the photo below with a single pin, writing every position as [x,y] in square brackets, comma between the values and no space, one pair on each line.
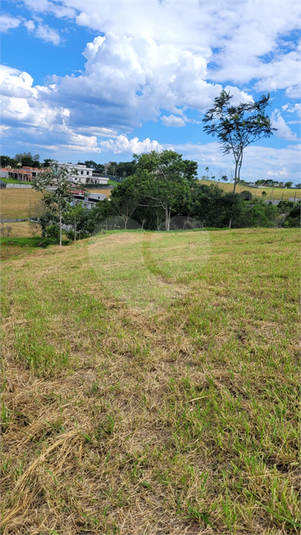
[17,186]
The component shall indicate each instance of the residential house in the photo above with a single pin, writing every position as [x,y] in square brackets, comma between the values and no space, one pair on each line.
[80,174]
[26,174]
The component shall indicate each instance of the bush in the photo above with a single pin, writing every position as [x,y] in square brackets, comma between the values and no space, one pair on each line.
[52,235]
[246,195]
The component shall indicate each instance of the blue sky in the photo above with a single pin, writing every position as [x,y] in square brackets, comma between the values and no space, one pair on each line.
[102,80]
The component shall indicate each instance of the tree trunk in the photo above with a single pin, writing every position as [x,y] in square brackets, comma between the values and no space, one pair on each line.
[238,164]
[167,219]
[235,176]
[230,222]
[75,226]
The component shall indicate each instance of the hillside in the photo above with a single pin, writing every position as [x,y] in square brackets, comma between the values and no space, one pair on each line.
[150,385]
[271,193]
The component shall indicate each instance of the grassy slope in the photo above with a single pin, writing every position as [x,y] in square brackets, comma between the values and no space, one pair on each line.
[151,385]
[271,193]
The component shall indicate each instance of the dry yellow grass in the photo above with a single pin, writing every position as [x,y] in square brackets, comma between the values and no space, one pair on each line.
[20,229]
[271,193]
[18,203]
[106,191]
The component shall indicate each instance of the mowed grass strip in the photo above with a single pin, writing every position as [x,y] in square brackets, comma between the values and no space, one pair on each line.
[180,418]
[18,203]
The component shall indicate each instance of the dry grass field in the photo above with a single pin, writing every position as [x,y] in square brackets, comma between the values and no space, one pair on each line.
[19,203]
[271,193]
[20,229]
[150,385]
[106,191]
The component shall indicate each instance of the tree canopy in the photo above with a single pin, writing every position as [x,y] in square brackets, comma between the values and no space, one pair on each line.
[236,127]
[53,183]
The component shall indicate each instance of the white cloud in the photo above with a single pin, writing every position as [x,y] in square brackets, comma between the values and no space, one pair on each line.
[123,145]
[48,34]
[243,40]
[283,130]
[44,6]
[21,104]
[129,80]
[294,91]
[173,120]
[153,56]
[7,22]
[259,162]
[293,109]
[30,25]
[42,31]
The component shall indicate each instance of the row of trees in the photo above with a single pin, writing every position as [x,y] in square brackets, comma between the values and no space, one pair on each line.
[164,187]
[275,184]
[120,170]
[24,159]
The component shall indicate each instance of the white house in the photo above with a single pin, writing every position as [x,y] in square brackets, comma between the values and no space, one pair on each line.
[80,174]
[87,201]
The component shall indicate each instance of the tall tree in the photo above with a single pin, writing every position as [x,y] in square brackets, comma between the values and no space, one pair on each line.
[125,199]
[166,181]
[236,127]
[53,183]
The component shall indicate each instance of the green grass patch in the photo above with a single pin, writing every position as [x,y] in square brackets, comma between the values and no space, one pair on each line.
[13,181]
[34,241]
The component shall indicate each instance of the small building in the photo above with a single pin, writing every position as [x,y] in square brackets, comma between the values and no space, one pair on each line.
[88,201]
[26,174]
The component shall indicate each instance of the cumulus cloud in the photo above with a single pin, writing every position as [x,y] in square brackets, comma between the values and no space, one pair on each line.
[129,80]
[21,102]
[283,130]
[231,36]
[173,120]
[8,22]
[153,56]
[123,145]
